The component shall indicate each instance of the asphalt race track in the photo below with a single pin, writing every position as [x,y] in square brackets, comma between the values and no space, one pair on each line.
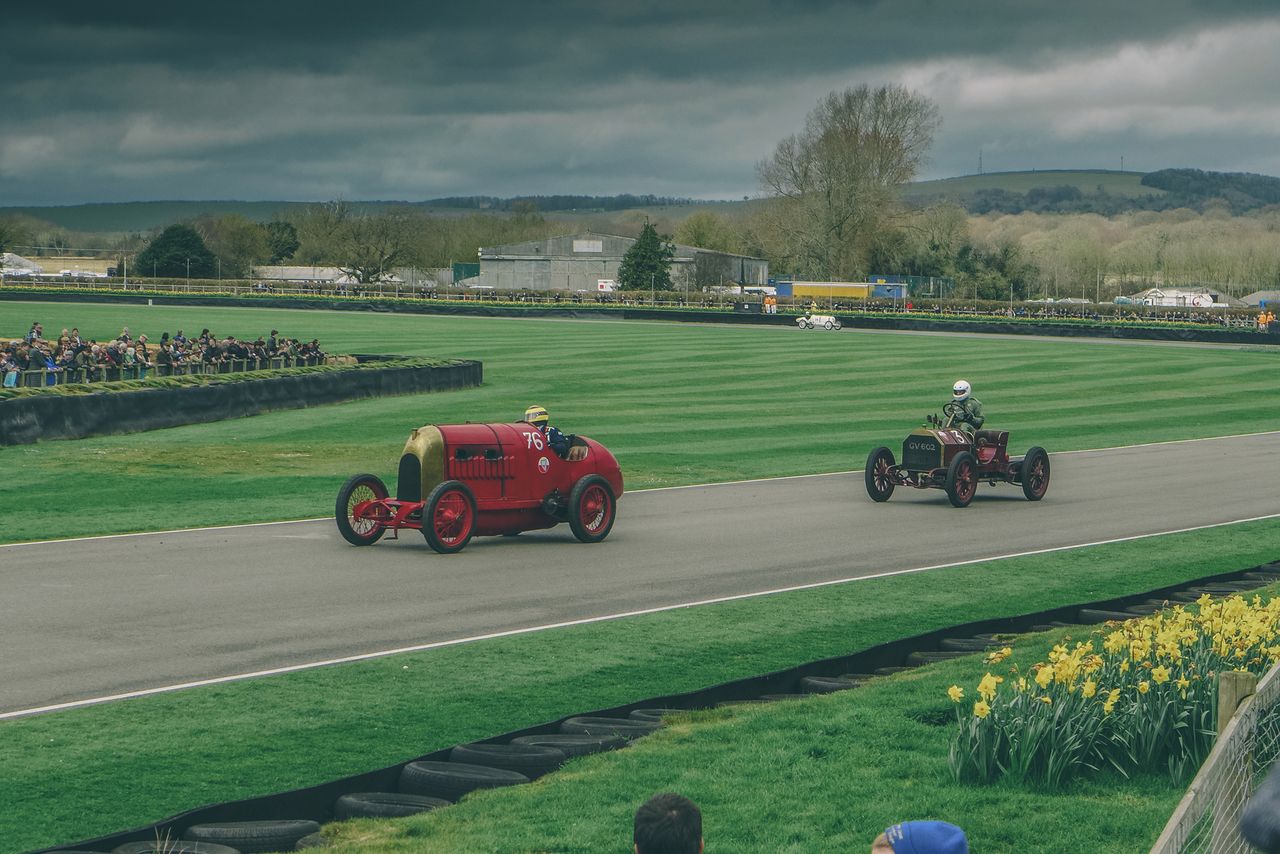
[82,619]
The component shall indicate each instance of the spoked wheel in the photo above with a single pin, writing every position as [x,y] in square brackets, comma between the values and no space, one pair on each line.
[878,475]
[449,517]
[368,527]
[829,325]
[1034,474]
[962,479]
[592,508]
[839,324]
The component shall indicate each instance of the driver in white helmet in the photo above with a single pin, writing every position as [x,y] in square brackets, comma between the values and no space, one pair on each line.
[969,417]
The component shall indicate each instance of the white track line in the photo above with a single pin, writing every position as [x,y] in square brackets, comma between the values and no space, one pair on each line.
[631,492]
[294,668]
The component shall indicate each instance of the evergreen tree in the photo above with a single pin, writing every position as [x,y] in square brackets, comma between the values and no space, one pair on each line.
[282,241]
[647,264]
[172,251]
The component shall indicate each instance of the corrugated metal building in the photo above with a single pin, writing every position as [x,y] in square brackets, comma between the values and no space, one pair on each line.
[588,262]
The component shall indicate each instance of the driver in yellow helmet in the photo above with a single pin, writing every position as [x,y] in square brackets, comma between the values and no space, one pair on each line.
[559,442]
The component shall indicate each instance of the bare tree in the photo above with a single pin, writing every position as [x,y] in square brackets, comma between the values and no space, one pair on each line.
[371,245]
[833,183]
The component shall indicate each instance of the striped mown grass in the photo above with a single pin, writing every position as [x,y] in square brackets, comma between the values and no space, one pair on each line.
[676,403]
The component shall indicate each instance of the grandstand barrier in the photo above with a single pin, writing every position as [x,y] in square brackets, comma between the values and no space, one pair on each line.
[29,419]
[913,321]
[102,373]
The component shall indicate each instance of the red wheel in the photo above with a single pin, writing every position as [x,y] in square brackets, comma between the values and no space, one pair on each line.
[449,517]
[878,474]
[360,521]
[592,508]
[1034,474]
[962,479]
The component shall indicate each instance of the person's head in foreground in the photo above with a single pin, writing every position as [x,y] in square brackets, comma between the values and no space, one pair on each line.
[668,824]
[921,837]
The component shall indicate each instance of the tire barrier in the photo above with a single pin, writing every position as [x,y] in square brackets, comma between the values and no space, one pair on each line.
[253,837]
[26,420]
[452,780]
[531,760]
[438,777]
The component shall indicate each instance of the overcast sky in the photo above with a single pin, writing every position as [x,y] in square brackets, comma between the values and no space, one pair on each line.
[314,100]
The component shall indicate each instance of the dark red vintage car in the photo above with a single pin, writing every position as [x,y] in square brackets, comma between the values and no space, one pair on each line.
[940,456]
[458,481]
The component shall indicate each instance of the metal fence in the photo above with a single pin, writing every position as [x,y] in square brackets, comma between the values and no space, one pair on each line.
[1208,816]
[102,373]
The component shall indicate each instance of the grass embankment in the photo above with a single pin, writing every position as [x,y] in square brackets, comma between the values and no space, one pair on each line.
[676,403]
[826,777]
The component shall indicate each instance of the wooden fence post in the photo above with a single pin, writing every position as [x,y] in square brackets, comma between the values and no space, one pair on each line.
[1232,789]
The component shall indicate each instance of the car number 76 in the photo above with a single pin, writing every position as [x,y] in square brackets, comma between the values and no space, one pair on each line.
[533,440]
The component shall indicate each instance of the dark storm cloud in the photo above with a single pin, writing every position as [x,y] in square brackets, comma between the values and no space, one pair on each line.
[413,100]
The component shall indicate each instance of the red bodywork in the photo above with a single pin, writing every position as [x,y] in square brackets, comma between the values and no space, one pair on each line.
[515,481]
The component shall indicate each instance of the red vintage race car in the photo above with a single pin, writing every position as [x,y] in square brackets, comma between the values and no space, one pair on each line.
[458,481]
[940,456]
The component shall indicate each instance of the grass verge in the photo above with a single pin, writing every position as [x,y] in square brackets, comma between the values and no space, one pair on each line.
[676,403]
[823,774]
[86,772]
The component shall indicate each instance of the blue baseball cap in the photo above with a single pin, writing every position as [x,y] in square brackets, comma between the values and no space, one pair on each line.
[927,837]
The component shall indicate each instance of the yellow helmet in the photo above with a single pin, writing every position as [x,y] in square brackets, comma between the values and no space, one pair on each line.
[536,415]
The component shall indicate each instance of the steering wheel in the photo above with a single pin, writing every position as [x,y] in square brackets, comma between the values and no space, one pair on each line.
[953,409]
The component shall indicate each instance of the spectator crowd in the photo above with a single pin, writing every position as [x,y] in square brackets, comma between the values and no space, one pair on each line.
[71,358]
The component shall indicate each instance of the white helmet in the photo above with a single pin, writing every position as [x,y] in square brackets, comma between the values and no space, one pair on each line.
[960,391]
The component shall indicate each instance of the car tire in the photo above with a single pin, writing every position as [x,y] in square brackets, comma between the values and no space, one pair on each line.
[839,325]
[592,509]
[357,490]
[825,684]
[250,837]
[530,760]
[962,479]
[574,745]
[829,326]
[171,846]
[1034,474]
[311,840]
[876,474]
[383,805]
[452,780]
[625,727]
[449,517]
[655,715]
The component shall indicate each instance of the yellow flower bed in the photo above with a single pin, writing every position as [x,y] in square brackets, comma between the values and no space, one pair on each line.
[1145,701]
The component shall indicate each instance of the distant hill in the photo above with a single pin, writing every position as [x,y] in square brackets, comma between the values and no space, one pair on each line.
[1106,192]
[126,217]
[1103,192]
[1116,183]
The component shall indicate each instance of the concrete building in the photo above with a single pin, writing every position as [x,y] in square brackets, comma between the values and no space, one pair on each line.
[589,262]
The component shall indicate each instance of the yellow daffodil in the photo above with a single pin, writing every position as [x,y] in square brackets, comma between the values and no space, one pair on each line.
[1160,675]
[956,693]
[987,687]
[1047,701]
[1044,676]
[981,709]
[1144,686]
[1089,688]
